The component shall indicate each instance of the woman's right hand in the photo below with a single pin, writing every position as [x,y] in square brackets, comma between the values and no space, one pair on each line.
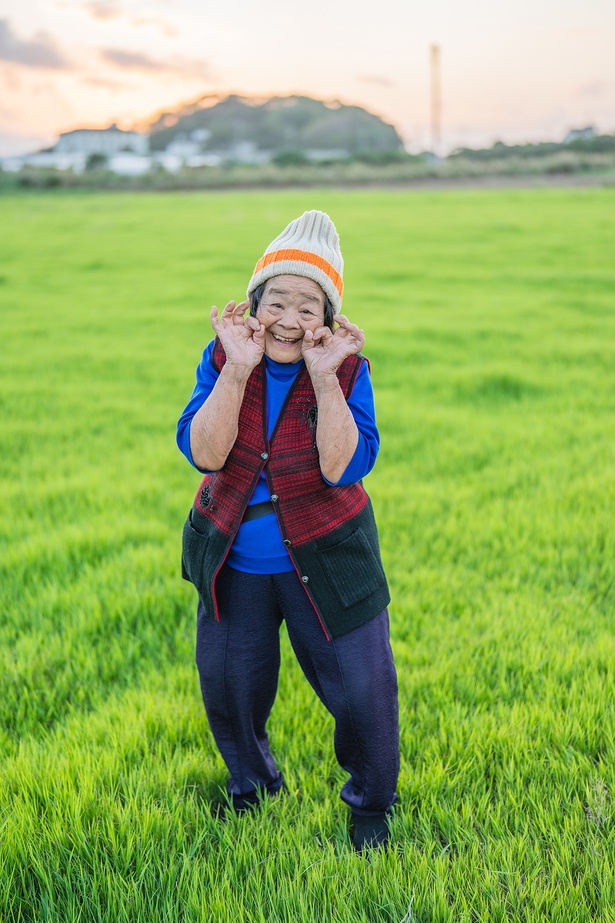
[243,339]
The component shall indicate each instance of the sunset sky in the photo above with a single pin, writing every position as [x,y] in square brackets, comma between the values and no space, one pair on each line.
[515,71]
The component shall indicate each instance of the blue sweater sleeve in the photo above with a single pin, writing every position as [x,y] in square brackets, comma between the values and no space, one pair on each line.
[361,404]
[206,377]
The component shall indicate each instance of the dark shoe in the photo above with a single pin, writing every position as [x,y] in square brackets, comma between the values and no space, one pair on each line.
[224,810]
[370,832]
[244,804]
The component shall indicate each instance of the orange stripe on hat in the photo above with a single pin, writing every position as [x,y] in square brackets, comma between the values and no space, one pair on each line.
[302,256]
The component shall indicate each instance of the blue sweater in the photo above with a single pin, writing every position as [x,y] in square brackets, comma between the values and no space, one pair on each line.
[258,546]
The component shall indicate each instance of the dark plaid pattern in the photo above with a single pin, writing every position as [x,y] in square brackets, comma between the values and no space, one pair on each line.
[307,508]
[223,496]
[330,532]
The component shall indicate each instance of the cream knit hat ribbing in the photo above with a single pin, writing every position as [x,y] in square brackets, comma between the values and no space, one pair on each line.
[309,246]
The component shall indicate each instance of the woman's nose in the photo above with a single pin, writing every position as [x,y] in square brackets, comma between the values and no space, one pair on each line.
[290,318]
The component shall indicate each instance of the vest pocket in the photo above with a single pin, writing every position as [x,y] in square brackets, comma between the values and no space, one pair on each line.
[194,551]
[353,569]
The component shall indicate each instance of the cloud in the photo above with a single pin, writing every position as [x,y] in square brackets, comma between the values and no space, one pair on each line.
[594,90]
[40,51]
[105,84]
[131,59]
[102,9]
[106,10]
[136,60]
[11,79]
[373,78]
[169,30]
[97,9]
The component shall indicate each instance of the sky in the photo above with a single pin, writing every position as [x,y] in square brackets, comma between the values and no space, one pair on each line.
[523,71]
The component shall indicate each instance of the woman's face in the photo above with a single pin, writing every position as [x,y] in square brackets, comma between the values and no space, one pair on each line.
[290,305]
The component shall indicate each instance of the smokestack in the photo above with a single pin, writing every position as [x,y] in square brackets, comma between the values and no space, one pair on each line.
[435,99]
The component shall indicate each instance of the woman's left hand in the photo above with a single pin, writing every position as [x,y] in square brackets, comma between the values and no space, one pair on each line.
[324,350]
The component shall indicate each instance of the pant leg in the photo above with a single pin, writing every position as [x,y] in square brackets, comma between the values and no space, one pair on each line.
[238,660]
[354,676]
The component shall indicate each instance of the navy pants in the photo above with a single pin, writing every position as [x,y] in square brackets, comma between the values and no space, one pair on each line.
[238,659]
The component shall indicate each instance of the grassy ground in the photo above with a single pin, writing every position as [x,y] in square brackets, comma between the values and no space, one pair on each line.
[490,323]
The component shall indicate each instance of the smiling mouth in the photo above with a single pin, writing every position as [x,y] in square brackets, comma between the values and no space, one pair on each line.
[287,340]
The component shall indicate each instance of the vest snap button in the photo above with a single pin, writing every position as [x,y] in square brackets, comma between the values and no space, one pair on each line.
[274,498]
[305,579]
[264,455]
[287,542]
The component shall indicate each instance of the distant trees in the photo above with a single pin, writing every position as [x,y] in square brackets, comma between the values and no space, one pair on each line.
[601,144]
[278,125]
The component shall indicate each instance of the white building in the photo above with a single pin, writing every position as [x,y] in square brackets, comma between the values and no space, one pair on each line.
[128,164]
[581,134]
[108,141]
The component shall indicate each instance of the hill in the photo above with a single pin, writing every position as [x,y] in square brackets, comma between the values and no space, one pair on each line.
[276,125]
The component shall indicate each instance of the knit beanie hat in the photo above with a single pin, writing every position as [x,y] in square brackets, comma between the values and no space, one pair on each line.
[309,246]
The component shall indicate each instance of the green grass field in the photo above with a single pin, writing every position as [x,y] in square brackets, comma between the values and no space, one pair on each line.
[490,324]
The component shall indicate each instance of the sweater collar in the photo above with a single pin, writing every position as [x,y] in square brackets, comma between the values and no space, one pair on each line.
[282,371]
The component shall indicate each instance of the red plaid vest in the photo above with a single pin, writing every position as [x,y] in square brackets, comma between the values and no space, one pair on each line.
[306,506]
[311,513]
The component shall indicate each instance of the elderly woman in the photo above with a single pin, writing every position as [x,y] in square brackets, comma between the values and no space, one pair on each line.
[282,424]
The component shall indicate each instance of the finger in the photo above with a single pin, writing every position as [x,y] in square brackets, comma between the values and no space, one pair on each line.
[214,317]
[354,342]
[355,335]
[229,308]
[239,311]
[344,324]
[313,338]
[252,323]
[323,335]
